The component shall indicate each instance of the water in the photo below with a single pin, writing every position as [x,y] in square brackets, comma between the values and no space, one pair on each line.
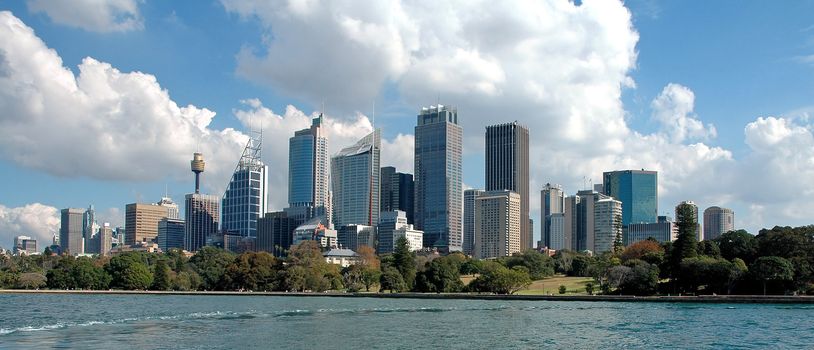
[241,322]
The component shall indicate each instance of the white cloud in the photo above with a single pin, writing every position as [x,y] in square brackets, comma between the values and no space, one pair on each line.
[673,109]
[92,15]
[103,123]
[35,220]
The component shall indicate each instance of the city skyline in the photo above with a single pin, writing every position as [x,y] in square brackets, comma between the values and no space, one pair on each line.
[663,121]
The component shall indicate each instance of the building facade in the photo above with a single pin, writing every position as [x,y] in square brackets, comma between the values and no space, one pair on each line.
[201,219]
[275,232]
[439,177]
[718,221]
[71,238]
[355,180]
[551,202]
[25,245]
[469,220]
[607,224]
[497,224]
[308,174]
[571,222]
[170,234]
[507,168]
[316,230]
[354,236]
[397,192]
[664,230]
[638,192]
[392,226]
[556,232]
[246,196]
[141,222]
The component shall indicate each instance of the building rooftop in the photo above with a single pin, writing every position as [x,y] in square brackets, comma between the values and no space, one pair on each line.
[340,253]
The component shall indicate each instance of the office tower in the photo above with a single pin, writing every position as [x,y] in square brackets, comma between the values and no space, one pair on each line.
[607,224]
[246,199]
[170,234]
[638,191]
[571,217]
[354,236]
[24,245]
[586,219]
[394,225]
[551,202]
[718,221]
[141,222]
[663,231]
[397,192]
[275,231]
[89,230]
[71,239]
[308,176]
[469,220]
[556,232]
[355,180]
[202,211]
[679,218]
[497,224]
[172,207]
[507,168]
[438,177]
[104,240]
[315,230]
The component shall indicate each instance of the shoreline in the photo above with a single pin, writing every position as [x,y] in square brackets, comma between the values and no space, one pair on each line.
[737,299]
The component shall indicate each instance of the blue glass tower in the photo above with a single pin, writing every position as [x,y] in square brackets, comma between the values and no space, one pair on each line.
[639,192]
[246,199]
[308,173]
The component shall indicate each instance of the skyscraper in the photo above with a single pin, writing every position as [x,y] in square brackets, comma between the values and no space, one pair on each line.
[170,234]
[556,232]
[89,230]
[469,220]
[638,191]
[246,199]
[172,207]
[355,180]
[497,224]
[571,223]
[397,192]
[718,221]
[104,240]
[438,177]
[308,175]
[551,202]
[202,214]
[354,236]
[141,222]
[585,238]
[275,232]
[607,224]
[507,168]
[71,239]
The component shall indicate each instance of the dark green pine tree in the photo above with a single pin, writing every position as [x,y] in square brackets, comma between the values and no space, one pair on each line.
[405,261]
[686,245]
[161,276]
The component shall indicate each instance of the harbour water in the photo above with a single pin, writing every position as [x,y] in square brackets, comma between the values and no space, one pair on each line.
[272,322]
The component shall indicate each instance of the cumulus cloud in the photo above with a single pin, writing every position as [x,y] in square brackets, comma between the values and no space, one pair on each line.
[35,220]
[673,109]
[92,15]
[102,123]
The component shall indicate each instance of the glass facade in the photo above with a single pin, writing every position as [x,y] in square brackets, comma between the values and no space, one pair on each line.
[507,168]
[308,172]
[638,191]
[438,178]
[355,181]
[202,216]
[245,201]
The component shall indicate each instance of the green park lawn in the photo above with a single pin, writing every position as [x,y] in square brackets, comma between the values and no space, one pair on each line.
[551,285]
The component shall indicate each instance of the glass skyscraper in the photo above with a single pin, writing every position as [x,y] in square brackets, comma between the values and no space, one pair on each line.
[246,199]
[201,219]
[397,192]
[308,174]
[438,177]
[638,191]
[507,168]
[469,220]
[355,181]
[551,203]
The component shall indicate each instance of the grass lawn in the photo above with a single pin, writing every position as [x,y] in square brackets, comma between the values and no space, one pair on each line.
[551,285]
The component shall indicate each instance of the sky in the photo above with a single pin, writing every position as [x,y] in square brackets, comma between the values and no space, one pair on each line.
[104,102]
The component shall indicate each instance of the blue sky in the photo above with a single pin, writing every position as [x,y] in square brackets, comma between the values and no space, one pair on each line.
[725,65]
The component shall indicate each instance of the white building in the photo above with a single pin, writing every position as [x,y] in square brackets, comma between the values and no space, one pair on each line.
[341,257]
[315,230]
[24,245]
[607,224]
[392,226]
[497,224]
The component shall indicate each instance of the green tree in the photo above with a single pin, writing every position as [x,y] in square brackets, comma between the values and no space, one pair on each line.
[210,263]
[709,248]
[737,244]
[86,275]
[31,280]
[642,280]
[562,289]
[404,262]
[498,279]
[686,245]
[589,288]
[252,271]
[442,275]
[771,269]
[580,265]
[161,276]
[60,277]
[312,272]
[136,276]
[392,280]
[539,265]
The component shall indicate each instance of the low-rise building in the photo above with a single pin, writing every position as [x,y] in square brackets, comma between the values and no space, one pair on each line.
[341,257]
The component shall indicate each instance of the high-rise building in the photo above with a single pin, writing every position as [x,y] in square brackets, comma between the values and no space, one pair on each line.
[202,211]
[246,199]
[71,239]
[24,245]
[607,224]
[438,177]
[308,176]
[469,220]
[89,230]
[556,232]
[571,223]
[507,168]
[141,222]
[355,180]
[663,231]
[638,190]
[718,221]
[551,202]
[695,218]
[172,207]
[104,240]
[497,224]
[275,231]
[170,234]
[201,219]
[392,226]
[354,236]
[397,192]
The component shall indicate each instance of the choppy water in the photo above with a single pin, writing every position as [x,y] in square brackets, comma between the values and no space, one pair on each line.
[183,322]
